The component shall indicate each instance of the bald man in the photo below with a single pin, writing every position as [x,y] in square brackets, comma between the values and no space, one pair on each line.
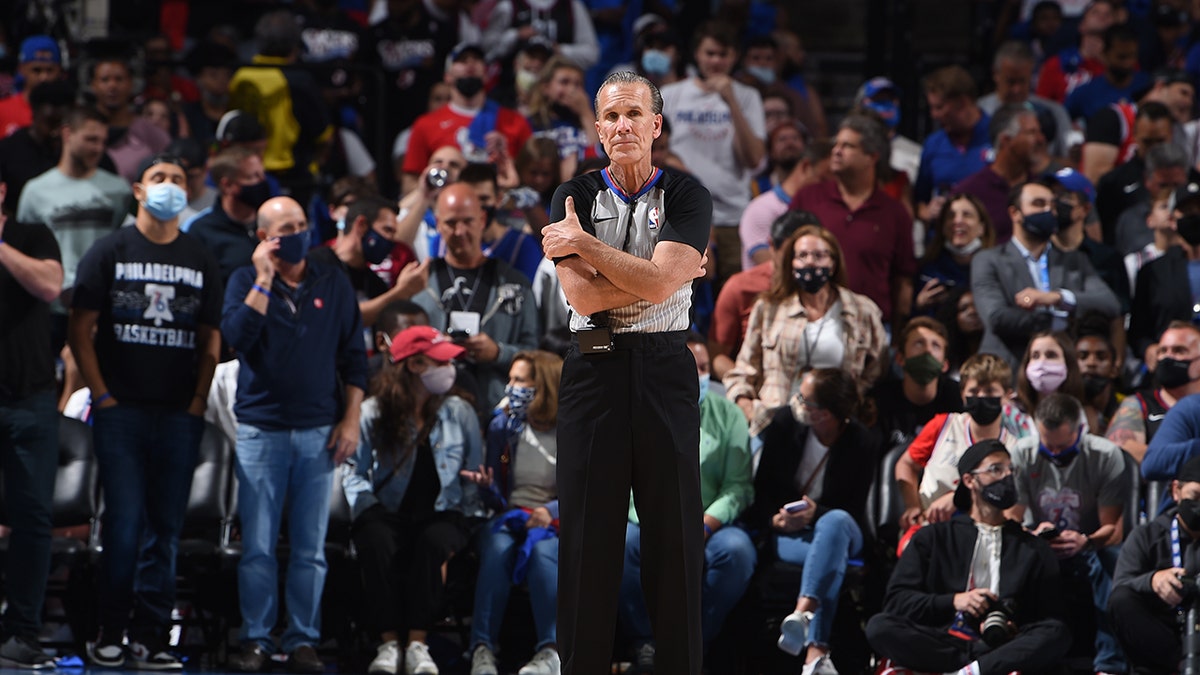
[296,327]
[483,303]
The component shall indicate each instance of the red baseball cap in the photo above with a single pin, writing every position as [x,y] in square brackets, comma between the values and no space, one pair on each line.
[424,340]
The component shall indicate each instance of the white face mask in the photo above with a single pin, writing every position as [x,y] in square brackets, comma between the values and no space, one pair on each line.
[439,379]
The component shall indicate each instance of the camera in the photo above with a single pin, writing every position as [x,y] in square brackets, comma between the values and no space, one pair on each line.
[458,335]
[998,625]
[437,178]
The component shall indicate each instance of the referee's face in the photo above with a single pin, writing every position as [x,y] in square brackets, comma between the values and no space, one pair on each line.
[626,122]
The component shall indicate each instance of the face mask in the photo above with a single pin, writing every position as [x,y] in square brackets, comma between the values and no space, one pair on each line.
[1046,376]
[526,80]
[656,62]
[704,381]
[889,112]
[164,201]
[469,86]
[983,409]
[923,369]
[970,248]
[1093,385]
[1120,73]
[1062,459]
[1189,228]
[1041,225]
[439,379]
[811,279]
[255,194]
[375,247]
[1002,494]
[489,212]
[1172,373]
[292,247]
[1189,514]
[519,399]
[762,74]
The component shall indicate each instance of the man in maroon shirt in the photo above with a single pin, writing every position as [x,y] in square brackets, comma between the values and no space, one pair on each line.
[874,230]
[1018,140]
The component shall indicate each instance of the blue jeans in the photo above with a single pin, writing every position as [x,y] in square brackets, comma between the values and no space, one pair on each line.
[146,459]
[273,467]
[1097,566]
[728,566]
[29,452]
[823,550]
[497,554]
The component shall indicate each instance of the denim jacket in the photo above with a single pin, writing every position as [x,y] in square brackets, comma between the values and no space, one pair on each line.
[457,444]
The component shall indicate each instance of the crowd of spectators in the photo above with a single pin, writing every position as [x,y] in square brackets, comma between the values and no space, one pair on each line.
[324,236]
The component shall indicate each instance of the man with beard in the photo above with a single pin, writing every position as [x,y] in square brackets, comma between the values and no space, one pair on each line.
[795,166]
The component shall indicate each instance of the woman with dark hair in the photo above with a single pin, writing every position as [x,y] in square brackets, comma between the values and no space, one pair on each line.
[519,483]
[412,510]
[958,314]
[962,228]
[807,319]
[811,496]
[561,110]
[1050,365]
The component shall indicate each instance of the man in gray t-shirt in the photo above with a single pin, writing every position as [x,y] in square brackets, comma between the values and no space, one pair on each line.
[1072,490]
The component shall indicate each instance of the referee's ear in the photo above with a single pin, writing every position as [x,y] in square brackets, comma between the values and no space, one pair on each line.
[658,120]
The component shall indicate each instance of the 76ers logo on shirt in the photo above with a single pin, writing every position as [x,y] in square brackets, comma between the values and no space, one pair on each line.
[654,218]
[160,303]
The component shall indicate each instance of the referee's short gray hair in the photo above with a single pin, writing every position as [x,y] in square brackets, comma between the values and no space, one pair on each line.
[630,77]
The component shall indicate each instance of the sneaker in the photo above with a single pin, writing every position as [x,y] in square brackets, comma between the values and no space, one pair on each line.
[143,657]
[545,662]
[251,658]
[387,659]
[20,652]
[793,632]
[822,666]
[107,654]
[483,661]
[643,658]
[417,660]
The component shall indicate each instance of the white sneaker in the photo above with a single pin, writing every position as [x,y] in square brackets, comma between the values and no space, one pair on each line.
[822,666]
[141,657]
[387,659]
[483,661]
[545,662]
[793,632]
[417,660]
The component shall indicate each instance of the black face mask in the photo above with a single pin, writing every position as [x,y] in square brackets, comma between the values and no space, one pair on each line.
[1041,225]
[811,279]
[489,212]
[469,86]
[1172,373]
[1002,494]
[254,195]
[1120,73]
[1093,385]
[1189,228]
[984,409]
[1189,514]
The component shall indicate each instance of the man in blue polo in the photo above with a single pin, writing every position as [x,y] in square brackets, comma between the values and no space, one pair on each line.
[960,148]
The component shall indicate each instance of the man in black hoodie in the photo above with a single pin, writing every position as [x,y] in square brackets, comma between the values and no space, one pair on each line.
[955,573]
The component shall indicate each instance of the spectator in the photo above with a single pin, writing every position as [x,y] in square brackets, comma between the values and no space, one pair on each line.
[31,277]
[35,149]
[1063,72]
[1139,416]
[227,228]
[560,109]
[162,81]
[1073,484]
[960,147]
[791,71]
[962,322]
[39,61]
[762,68]
[963,228]
[906,404]
[1120,80]
[717,129]
[800,166]
[481,129]
[393,319]
[875,230]
[657,55]
[939,592]
[211,65]
[1160,223]
[1012,74]
[195,159]
[726,489]
[1027,285]
[290,432]
[131,137]
[412,511]
[149,370]
[1049,366]
[1147,593]
[882,97]
[519,483]
[538,168]
[807,319]
[567,24]
[1017,141]
[1075,199]
[1099,366]
[521,251]
[1111,131]
[782,154]
[482,302]
[815,453]
[1134,181]
[416,224]
[1165,291]
[1165,168]
[777,109]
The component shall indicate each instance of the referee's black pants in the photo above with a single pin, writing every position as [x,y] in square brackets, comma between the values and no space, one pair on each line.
[630,418]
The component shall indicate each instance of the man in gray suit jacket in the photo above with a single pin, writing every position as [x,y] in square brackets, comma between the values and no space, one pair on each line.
[1027,285]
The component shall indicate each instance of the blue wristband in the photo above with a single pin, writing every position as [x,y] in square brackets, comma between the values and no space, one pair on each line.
[107,395]
[708,530]
[262,290]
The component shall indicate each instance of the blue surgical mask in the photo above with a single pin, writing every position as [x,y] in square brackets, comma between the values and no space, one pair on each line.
[292,247]
[375,247]
[762,74]
[656,62]
[1063,458]
[704,381]
[889,112]
[165,201]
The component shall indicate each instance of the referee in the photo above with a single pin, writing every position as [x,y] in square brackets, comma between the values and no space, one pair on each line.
[628,240]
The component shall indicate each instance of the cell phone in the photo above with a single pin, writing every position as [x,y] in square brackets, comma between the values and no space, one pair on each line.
[1051,533]
[796,506]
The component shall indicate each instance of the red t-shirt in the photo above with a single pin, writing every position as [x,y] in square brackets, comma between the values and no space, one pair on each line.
[14,114]
[447,126]
[1054,84]
[734,303]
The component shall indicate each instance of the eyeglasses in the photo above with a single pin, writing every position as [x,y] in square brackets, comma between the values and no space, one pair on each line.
[815,256]
[995,470]
[806,403]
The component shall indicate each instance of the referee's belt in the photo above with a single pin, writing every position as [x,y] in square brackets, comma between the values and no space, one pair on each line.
[634,341]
